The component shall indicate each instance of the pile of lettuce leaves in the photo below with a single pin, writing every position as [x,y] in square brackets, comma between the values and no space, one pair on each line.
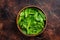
[31,21]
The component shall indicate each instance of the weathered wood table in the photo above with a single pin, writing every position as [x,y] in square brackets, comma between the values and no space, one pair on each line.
[8,13]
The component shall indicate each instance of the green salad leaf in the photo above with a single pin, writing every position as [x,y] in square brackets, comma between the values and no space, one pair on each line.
[31,20]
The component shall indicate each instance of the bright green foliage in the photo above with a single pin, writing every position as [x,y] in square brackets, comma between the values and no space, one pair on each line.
[31,21]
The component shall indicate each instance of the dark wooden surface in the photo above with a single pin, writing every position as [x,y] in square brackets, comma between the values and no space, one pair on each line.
[8,13]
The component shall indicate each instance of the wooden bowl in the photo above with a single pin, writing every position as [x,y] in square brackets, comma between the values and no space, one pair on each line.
[18,17]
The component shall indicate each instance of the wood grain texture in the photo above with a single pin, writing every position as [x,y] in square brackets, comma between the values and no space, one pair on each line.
[9,10]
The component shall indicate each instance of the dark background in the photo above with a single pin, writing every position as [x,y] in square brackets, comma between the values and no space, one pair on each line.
[8,13]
